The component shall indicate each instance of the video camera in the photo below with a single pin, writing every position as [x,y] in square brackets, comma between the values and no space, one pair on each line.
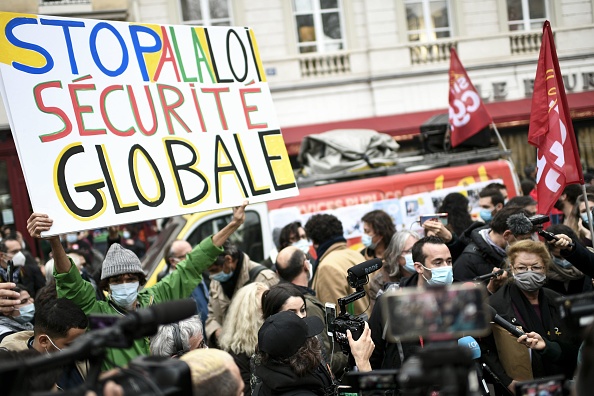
[145,375]
[357,277]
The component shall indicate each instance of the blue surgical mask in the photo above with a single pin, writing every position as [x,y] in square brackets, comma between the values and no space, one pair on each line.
[27,313]
[366,240]
[486,215]
[71,238]
[302,245]
[222,276]
[126,234]
[584,217]
[441,275]
[562,262]
[410,264]
[124,294]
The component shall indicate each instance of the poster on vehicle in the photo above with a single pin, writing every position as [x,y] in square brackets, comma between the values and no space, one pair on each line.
[120,122]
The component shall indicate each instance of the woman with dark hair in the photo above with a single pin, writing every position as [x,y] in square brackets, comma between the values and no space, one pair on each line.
[563,277]
[578,219]
[456,206]
[378,228]
[283,297]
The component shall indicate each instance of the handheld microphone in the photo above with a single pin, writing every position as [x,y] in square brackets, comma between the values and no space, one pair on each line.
[488,276]
[504,323]
[470,343]
[357,274]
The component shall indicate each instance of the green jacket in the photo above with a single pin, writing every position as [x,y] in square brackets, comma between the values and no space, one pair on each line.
[177,285]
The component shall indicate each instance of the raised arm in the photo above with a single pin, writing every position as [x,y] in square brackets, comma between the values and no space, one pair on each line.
[40,222]
[220,237]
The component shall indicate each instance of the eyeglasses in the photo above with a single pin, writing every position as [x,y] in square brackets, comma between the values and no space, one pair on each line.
[524,268]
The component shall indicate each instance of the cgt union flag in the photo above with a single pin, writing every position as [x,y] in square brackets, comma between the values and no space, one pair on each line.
[468,115]
[551,130]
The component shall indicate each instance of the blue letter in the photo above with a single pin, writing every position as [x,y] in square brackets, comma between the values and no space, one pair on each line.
[18,43]
[66,25]
[140,50]
[93,44]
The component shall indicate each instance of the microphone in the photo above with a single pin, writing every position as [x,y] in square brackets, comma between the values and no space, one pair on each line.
[519,224]
[357,274]
[504,323]
[470,343]
[488,276]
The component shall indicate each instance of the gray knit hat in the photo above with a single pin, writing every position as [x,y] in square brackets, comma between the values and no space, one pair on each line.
[118,261]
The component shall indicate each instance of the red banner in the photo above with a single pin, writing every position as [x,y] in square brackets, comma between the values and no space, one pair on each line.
[551,130]
[468,115]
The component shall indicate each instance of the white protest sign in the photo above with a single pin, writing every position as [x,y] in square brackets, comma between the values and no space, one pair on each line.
[120,122]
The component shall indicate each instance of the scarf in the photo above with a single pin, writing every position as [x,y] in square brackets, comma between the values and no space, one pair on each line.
[326,245]
[564,274]
[15,275]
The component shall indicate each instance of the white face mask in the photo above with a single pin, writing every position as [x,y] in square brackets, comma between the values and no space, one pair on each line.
[310,270]
[19,259]
[302,245]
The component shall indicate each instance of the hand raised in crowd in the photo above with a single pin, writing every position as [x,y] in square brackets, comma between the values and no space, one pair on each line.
[436,228]
[497,281]
[239,213]
[533,340]
[38,223]
[362,348]
[8,297]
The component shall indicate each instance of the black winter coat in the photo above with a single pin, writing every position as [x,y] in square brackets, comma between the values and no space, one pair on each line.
[478,258]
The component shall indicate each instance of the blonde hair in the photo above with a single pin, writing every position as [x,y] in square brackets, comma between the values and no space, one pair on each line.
[530,246]
[244,319]
[209,369]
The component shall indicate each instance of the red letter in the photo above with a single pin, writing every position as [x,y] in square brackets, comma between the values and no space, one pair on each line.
[106,120]
[137,117]
[169,110]
[216,92]
[50,137]
[197,106]
[248,109]
[166,56]
[79,110]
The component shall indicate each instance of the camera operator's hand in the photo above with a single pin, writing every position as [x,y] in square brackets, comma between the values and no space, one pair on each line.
[436,228]
[533,340]
[110,389]
[8,297]
[362,348]
[563,242]
[497,281]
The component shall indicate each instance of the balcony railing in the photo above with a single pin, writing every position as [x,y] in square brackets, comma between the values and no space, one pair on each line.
[525,43]
[320,65]
[429,53]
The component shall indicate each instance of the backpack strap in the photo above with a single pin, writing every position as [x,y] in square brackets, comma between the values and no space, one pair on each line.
[255,271]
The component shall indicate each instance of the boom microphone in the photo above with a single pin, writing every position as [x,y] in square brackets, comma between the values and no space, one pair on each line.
[504,323]
[519,224]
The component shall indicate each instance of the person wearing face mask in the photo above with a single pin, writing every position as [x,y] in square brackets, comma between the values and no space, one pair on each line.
[563,277]
[231,270]
[577,219]
[491,201]
[523,301]
[58,322]
[122,277]
[378,228]
[21,316]
[398,264]
[433,266]
[28,276]
[486,251]
[292,265]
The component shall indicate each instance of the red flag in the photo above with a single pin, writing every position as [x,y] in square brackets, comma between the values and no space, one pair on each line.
[468,115]
[551,130]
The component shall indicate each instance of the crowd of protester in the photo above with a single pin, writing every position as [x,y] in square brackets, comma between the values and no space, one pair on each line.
[261,328]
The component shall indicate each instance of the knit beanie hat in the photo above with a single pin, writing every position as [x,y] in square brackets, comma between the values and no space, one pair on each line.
[118,261]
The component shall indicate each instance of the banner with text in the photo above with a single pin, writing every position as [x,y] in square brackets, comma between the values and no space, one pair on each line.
[119,122]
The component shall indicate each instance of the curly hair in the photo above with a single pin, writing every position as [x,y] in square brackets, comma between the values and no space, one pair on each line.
[323,227]
[243,320]
[394,251]
[456,206]
[530,246]
[304,361]
[382,224]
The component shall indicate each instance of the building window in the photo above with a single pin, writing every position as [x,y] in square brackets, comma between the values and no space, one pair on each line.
[206,12]
[428,20]
[319,26]
[526,14]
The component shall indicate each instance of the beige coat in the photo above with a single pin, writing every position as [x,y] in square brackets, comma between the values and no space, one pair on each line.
[330,281]
[218,303]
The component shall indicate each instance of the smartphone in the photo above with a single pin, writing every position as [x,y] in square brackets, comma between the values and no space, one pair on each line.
[436,313]
[550,386]
[443,217]
[9,270]
[102,321]
[330,310]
